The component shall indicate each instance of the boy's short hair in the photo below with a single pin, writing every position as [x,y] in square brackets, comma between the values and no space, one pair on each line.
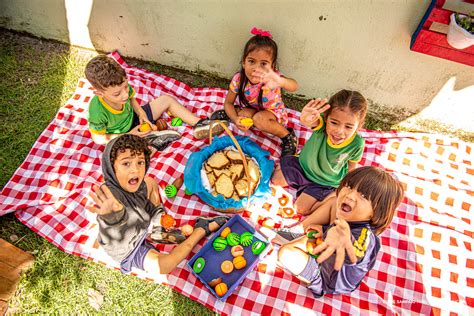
[382,190]
[136,144]
[103,72]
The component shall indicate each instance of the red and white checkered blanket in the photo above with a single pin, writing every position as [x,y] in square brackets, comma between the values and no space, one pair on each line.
[426,264]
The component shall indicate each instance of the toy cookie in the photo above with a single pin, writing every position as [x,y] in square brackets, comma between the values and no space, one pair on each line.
[214,282]
[219,244]
[199,264]
[221,289]
[233,239]
[187,230]
[226,231]
[227,266]
[246,239]
[237,251]
[258,247]
[239,262]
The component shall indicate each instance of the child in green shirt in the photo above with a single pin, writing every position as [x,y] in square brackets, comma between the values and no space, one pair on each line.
[332,150]
[114,111]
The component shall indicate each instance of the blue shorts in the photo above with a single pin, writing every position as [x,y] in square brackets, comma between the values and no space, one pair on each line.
[295,177]
[149,115]
[137,257]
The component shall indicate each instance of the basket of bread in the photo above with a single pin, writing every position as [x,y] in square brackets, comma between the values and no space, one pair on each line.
[230,173]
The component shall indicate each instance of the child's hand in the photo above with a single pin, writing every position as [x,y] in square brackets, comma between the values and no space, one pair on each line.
[136,131]
[317,228]
[144,119]
[239,125]
[268,78]
[105,201]
[311,112]
[338,239]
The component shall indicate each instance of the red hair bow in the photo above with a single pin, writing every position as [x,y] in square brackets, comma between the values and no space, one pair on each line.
[256,31]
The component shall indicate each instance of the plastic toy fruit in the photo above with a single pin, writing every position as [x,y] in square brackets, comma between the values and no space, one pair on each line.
[219,244]
[246,121]
[187,192]
[187,230]
[199,264]
[233,239]
[214,282]
[170,191]
[258,247]
[239,262]
[167,221]
[145,127]
[246,239]
[227,266]
[161,125]
[176,122]
[226,231]
[237,251]
[221,289]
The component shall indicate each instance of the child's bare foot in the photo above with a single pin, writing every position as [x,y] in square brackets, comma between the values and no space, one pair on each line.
[211,224]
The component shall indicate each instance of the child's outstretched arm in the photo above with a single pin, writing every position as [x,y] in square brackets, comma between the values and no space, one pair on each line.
[311,113]
[272,80]
[338,239]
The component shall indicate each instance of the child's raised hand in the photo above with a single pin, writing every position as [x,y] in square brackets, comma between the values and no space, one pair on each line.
[338,239]
[311,112]
[105,200]
[268,78]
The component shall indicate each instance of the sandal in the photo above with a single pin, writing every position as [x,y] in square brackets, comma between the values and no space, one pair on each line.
[203,222]
[162,236]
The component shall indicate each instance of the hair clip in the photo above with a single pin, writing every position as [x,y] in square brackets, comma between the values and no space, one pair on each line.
[256,31]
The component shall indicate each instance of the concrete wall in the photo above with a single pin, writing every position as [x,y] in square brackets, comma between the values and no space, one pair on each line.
[325,45]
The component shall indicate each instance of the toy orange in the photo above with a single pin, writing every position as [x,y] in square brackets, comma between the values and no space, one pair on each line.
[227,266]
[239,262]
[167,221]
[145,127]
[226,231]
[221,289]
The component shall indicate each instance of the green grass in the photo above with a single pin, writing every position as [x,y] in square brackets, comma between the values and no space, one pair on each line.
[36,78]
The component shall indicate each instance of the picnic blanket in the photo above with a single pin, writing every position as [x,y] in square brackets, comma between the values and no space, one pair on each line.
[426,264]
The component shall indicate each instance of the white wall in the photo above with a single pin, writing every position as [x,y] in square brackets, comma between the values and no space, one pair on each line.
[325,45]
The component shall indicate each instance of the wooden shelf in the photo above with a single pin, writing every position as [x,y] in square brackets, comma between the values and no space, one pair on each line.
[430,36]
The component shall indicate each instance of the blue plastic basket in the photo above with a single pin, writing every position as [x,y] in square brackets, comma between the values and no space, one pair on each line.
[192,173]
[213,258]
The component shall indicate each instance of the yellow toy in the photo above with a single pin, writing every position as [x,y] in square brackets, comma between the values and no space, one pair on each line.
[246,121]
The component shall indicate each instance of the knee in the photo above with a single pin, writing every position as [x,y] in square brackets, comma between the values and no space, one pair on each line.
[165,100]
[260,119]
[284,255]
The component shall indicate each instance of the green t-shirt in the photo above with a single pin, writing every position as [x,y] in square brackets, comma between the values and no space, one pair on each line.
[103,119]
[326,163]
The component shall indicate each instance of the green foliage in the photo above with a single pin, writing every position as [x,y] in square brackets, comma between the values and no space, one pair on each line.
[466,22]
